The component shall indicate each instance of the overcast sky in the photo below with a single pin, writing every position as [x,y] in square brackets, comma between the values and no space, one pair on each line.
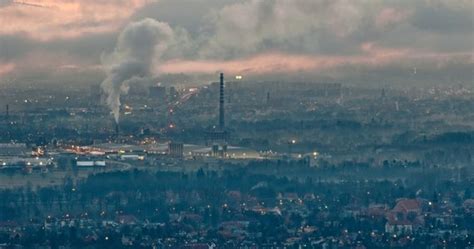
[253,37]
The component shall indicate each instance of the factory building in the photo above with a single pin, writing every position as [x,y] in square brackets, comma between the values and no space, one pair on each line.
[14,149]
[115,148]
[229,152]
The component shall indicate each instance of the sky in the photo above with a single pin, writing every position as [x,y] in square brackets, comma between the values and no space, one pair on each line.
[335,38]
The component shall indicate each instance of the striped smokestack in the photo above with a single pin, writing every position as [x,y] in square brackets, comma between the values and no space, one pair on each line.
[221,104]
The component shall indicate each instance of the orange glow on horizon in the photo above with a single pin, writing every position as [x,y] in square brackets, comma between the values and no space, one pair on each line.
[7,68]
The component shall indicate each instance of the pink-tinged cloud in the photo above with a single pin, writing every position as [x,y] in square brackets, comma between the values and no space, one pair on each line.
[6,68]
[280,62]
[257,64]
[373,56]
[49,19]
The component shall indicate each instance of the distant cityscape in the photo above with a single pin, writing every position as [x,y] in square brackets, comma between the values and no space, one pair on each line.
[236,124]
[235,164]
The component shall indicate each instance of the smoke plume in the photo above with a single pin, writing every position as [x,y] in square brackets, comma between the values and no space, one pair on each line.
[138,49]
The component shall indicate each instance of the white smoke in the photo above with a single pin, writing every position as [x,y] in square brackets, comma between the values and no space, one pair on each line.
[138,49]
[296,26]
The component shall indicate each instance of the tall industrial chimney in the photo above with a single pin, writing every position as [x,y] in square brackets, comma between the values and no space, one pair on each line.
[7,113]
[221,104]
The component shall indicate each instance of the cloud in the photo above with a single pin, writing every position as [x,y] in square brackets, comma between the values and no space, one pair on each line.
[265,36]
[338,26]
[444,16]
[253,36]
[50,19]
[30,54]
[191,15]
[299,26]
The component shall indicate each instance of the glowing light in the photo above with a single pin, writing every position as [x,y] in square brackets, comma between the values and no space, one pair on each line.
[238,77]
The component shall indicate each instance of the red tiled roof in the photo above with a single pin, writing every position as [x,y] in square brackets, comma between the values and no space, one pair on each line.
[408,205]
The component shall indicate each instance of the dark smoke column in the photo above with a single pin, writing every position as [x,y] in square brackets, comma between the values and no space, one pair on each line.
[221,104]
